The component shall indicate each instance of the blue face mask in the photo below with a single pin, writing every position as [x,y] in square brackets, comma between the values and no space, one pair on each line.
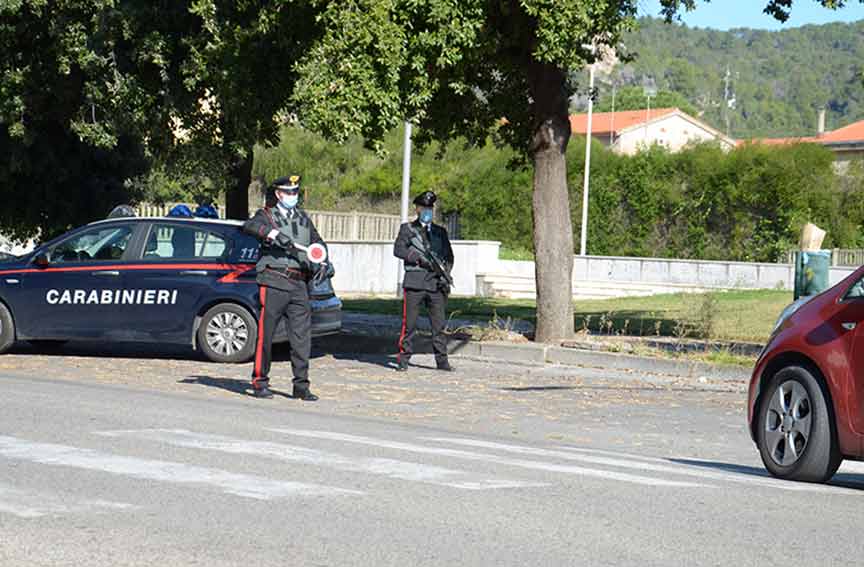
[289,201]
[426,216]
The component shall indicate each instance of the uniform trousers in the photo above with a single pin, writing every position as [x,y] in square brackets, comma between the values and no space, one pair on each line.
[435,302]
[291,301]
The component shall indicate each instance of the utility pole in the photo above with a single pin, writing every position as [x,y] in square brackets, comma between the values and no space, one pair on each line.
[728,99]
[649,89]
[406,192]
[612,119]
[583,241]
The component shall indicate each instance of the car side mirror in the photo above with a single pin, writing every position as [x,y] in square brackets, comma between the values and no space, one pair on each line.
[42,260]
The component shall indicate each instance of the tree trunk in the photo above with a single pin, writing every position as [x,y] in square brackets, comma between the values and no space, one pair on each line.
[553,228]
[237,194]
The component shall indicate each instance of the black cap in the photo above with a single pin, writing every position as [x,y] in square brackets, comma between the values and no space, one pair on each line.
[287,183]
[425,199]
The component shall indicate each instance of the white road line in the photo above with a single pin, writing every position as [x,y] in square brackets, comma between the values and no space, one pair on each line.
[391,468]
[164,471]
[487,458]
[29,504]
[644,464]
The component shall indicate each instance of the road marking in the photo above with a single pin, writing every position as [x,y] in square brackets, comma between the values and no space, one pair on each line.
[644,464]
[391,468]
[487,458]
[29,504]
[247,486]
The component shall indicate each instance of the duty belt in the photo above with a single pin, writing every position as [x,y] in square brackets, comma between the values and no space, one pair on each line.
[291,273]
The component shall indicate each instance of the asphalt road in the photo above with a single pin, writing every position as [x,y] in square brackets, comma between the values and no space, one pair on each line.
[494,465]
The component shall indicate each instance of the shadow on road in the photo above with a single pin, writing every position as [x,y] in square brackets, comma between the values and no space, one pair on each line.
[233,385]
[158,351]
[844,480]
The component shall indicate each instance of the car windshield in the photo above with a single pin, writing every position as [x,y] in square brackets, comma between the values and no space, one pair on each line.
[5,257]
[100,244]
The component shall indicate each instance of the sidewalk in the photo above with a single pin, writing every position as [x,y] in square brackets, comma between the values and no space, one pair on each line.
[378,334]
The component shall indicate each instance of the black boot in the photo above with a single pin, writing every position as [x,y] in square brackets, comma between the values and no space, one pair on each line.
[402,364]
[262,392]
[444,365]
[304,394]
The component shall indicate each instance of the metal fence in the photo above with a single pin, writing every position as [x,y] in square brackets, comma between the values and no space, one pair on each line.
[355,225]
[331,225]
[840,257]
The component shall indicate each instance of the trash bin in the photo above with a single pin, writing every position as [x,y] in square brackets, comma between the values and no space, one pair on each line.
[811,272]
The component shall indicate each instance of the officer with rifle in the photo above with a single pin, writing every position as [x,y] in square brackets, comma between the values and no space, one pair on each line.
[425,248]
[292,255]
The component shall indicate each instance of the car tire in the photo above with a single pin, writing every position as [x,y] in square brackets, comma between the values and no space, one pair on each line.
[227,333]
[796,433]
[7,329]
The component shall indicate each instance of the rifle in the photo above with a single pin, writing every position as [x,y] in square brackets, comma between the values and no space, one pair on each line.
[436,263]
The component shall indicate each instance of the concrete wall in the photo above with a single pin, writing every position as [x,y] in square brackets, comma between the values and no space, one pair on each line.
[370,267]
[698,273]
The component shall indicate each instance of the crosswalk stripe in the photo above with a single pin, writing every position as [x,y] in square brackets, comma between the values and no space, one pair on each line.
[644,464]
[165,471]
[488,458]
[29,504]
[391,468]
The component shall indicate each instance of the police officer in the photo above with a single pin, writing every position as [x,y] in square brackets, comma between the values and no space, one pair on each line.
[421,244]
[283,274]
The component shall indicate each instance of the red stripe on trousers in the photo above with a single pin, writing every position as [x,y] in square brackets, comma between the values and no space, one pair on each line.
[262,292]
[404,319]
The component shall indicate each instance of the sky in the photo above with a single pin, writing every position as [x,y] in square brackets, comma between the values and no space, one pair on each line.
[726,14]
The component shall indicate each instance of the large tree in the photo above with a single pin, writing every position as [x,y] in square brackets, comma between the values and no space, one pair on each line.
[465,68]
[88,86]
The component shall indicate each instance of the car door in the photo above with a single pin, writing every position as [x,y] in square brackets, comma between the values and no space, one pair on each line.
[848,323]
[78,294]
[180,262]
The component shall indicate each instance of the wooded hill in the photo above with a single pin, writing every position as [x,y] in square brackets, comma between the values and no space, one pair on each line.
[779,78]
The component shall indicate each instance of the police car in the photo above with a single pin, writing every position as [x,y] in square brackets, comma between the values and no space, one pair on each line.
[140,279]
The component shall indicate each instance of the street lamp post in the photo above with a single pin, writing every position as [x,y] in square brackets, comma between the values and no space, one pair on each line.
[406,191]
[583,242]
[649,89]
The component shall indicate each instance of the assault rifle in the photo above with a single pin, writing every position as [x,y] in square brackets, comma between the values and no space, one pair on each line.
[436,263]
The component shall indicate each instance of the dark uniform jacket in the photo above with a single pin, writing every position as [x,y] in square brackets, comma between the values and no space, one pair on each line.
[416,276]
[275,262]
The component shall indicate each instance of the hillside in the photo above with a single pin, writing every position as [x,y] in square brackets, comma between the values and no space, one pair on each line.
[779,78]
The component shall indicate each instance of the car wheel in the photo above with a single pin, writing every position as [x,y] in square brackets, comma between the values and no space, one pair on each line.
[227,334]
[795,432]
[7,329]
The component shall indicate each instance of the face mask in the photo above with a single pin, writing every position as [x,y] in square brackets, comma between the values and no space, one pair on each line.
[426,216]
[289,201]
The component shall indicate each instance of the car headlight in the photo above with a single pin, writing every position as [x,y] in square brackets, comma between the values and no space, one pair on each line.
[787,312]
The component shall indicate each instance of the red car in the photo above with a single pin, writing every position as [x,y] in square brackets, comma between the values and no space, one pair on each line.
[806,399]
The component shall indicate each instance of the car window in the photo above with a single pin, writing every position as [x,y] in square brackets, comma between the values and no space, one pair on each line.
[856,291]
[168,241]
[97,245]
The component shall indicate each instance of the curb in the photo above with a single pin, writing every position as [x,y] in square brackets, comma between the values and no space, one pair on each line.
[536,354]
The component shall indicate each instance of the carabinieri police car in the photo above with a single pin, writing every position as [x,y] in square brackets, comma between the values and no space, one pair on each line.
[146,279]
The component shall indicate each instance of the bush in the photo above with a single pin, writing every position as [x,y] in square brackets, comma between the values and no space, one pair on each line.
[704,203]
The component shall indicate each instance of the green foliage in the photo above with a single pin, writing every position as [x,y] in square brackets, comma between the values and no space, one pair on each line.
[746,204]
[633,98]
[779,79]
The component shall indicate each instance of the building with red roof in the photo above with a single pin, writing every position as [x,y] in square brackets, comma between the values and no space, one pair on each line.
[629,131]
[847,142]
